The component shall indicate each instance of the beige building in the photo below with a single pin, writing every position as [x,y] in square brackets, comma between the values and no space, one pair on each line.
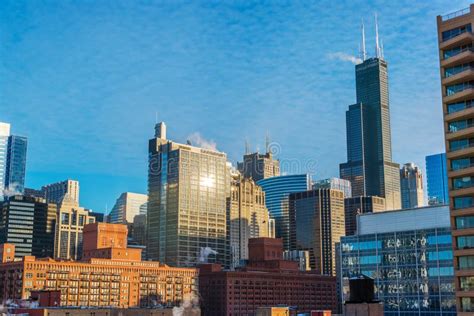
[259,166]
[188,189]
[247,217]
[55,192]
[456,53]
[127,206]
[68,234]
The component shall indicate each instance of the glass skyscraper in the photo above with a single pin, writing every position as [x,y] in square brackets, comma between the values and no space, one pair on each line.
[188,189]
[369,164]
[12,161]
[277,191]
[409,255]
[437,179]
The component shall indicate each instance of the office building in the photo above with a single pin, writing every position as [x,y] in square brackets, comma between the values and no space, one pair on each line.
[411,186]
[455,41]
[138,233]
[437,179]
[277,190]
[184,223]
[369,165]
[300,256]
[267,280]
[111,275]
[12,162]
[71,219]
[247,217]
[360,205]
[335,183]
[127,206]
[316,225]
[44,228]
[259,166]
[409,255]
[56,192]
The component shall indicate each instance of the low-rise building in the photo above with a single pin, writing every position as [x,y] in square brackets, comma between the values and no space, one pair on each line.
[267,280]
[111,274]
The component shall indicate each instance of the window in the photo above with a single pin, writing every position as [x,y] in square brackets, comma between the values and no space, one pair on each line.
[463,163]
[465,242]
[456,50]
[65,218]
[461,144]
[459,106]
[460,125]
[466,262]
[446,35]
[467,283]
[464,222]
[462,202]
[455,88]
[467,304]
[464,182]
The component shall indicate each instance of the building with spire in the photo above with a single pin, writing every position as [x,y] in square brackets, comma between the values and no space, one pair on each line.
[259,166]
[369,164]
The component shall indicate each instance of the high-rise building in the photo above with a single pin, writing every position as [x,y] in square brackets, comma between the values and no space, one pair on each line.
[127,206]
[316,225]
[369,165]
[277,190]
[335,183]
[360,205]
[455,40]
[437,179]
[259,166]
[409,255]
[411,186]
[56,192]
[188,189]
[12,162]
[44,228]
[247,217]
[71,219]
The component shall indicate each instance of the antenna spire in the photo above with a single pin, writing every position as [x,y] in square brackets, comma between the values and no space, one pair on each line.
[377,46]
[247,147]
[267,143]
[364,52]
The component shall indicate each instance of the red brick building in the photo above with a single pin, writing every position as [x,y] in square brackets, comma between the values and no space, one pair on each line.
[267,280]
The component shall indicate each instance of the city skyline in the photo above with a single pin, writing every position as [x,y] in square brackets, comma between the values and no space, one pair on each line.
[96,100]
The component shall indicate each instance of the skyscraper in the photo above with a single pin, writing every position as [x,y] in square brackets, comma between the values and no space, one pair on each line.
[187,190]
[369,164]
[12,161]
[247,217]
[259,166]
[127,206]
[316,225]
[411,185]
[277,190]
[55,192]
[360,205]
[335,183]
[437,179]
[455,41]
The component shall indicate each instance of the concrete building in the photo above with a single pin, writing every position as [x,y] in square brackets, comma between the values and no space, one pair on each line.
[12,162]
[111,275]
[455,41]
[360,205]
[277,190]
[409,255]
[56,192]
[267,280]
[369,165]
[186,221]
[71,219]
[437,179]
[316,225]
[411,185]
[300,256]
[127,206]
[259,166]
[247,217]
[335,183]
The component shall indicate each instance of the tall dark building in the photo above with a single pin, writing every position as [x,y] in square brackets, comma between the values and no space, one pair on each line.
[44,225]
[369,164]
[360,205]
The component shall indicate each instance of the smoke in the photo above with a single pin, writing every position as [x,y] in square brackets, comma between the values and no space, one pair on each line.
[189,306]
[204,254]
[12,189]
[197,140]
[345,57]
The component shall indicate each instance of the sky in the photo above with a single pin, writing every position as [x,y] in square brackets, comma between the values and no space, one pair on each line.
[86,81]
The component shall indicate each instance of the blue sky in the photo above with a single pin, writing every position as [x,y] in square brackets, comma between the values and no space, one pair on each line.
[85,79]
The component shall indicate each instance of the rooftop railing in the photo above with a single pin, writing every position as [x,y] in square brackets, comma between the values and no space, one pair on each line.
[455,14]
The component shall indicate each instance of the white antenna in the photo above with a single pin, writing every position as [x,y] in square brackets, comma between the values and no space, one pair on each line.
[364,52]
[377,47]
[381,49]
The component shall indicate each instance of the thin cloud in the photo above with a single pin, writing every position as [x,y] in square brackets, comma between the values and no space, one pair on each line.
[197,140]
[345,57]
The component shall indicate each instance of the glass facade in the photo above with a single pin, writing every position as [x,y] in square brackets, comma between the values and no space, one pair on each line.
[437,179]
[335,183]
[277,190]
[369,164]
[413,270]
